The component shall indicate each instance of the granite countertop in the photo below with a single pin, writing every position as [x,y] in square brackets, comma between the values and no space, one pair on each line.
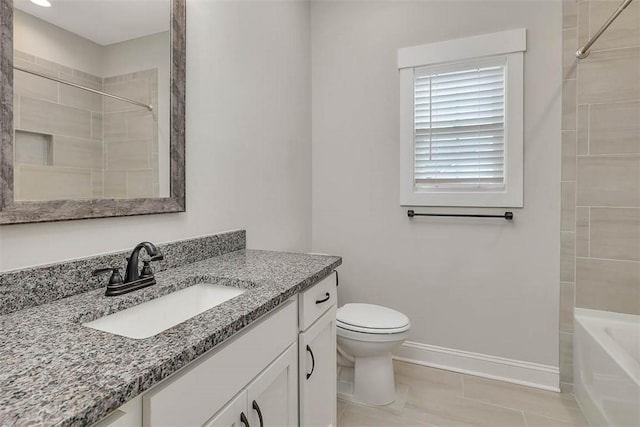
[54,371]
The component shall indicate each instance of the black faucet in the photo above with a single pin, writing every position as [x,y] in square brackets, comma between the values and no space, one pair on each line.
[133,279]
[133,273]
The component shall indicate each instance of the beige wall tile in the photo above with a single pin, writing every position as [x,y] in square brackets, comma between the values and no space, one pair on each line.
[114,126]
[76,152]
[16,111]
[47,117]
[608,285]
[568,105]
[53,66]
[567,256]
[615,233]
[583,22]
[53,183]
[87,76]
[567,302]
[79,98]
[91,83]
[115,184]
[136,90]
[569,60]
[615,128]
[96,126]
[569,155]
[568,206]
[566,357]
[583,130]
[34,67]
[23,56]
[609,180]
[610,75]
[140,183]
[128,154]
[582,232]
[569,13]
[623,32]
[97,181]
[140,125]
[35,87]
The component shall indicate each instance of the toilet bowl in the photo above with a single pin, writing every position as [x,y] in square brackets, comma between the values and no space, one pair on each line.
[367,335]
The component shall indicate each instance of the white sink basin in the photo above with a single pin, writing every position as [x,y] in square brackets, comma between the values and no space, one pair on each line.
[152,317]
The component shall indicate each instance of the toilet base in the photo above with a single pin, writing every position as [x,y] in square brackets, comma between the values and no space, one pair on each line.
[345,392]
[373,379]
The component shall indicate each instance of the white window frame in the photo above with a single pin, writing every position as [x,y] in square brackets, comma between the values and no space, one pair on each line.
[509,45]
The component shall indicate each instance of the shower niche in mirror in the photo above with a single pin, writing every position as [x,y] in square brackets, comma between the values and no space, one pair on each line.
[98,109]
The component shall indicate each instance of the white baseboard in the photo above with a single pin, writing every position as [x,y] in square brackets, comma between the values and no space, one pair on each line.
[482,365]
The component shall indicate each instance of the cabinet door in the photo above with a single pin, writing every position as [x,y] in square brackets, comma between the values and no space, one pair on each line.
[317,355]
[233,414]
[273,395]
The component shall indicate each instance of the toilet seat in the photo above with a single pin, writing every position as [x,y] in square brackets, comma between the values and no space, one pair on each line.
[371,319]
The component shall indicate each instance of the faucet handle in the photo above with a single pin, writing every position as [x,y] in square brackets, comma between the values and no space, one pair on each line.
[146,270]
[158,257]
[116,277]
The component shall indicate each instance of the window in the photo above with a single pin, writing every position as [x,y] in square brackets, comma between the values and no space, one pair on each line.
[461,121]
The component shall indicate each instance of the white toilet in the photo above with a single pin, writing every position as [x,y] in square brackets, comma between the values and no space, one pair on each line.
[367,334]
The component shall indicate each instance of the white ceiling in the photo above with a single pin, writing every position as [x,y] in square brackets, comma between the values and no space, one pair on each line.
[104,21]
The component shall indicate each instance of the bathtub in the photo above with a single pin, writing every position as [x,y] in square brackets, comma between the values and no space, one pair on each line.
[607,367]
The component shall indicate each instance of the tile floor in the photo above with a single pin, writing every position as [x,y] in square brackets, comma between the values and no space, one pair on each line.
[443,398]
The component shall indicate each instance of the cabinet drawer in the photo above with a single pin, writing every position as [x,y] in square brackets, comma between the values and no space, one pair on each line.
[193,395]
[317,300]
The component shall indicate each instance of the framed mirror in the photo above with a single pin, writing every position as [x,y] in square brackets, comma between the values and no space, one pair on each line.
[92,119]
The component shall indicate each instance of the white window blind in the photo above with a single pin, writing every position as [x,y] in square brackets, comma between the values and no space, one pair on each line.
[459,126]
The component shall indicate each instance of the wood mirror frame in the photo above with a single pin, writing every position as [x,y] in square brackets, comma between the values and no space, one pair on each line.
[17,212]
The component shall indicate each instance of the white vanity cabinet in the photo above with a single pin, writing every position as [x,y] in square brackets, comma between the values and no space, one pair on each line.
[317,354]
[279,372]
[245,362]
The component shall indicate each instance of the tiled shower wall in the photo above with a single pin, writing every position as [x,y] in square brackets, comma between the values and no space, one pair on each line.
[58,150]
[131,136]
[74,144]
[600,218]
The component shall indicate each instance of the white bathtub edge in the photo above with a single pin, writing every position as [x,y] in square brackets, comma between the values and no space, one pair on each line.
[606,377]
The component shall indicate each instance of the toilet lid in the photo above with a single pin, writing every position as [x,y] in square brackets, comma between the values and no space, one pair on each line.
[371,319]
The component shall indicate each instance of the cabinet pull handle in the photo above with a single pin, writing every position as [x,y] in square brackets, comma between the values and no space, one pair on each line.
[313,362]
[244,420]
[325,299]
[257,409]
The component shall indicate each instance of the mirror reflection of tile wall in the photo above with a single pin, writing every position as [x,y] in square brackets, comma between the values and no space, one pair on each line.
[74,144]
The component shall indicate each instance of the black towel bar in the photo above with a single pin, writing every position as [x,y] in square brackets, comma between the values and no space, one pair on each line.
[507,215]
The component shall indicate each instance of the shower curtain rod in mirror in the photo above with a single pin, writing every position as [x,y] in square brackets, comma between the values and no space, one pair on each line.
[583,52]
[55,79]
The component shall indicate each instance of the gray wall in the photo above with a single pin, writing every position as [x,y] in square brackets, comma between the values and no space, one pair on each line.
[600,167]
[485,286]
